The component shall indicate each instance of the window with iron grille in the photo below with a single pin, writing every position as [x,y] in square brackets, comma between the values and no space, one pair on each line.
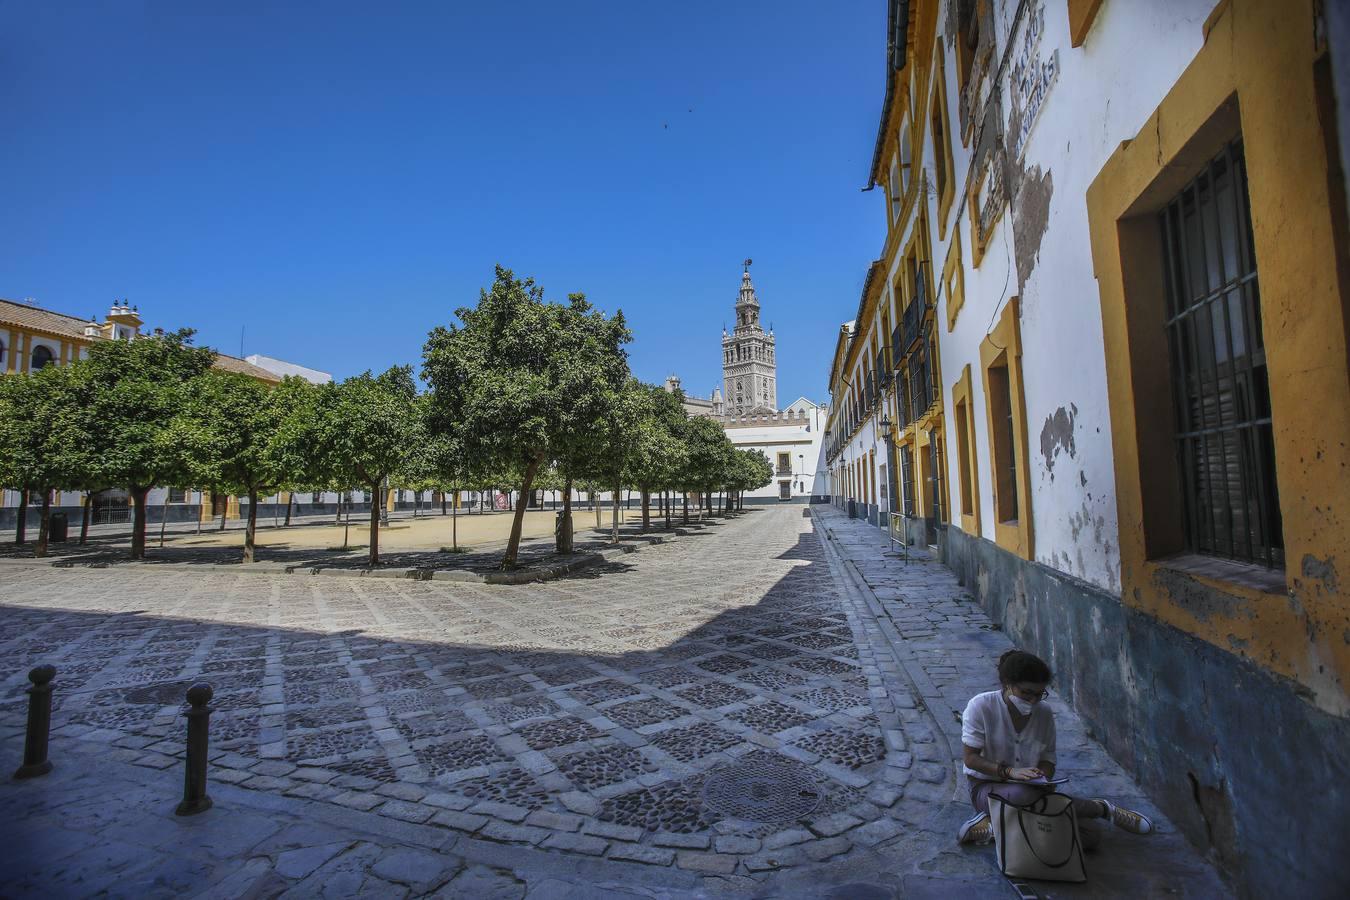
[938,511]
[966,482]
[177,495]
[907,479]
[1003,433]
[1220,388]
[919,382]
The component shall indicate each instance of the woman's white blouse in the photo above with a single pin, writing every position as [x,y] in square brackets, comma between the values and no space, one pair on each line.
[987,726]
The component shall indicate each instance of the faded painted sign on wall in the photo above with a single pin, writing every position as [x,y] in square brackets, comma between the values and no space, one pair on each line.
[1031,78]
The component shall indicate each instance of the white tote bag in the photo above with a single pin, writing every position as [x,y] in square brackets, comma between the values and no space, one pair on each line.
[1039,839]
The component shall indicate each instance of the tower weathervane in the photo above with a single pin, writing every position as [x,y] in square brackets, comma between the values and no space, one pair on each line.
[747,264]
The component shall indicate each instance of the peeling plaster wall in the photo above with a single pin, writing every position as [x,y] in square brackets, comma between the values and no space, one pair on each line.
[1039,251]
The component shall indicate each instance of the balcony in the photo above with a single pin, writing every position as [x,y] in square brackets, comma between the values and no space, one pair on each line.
[911,322]
[920,381]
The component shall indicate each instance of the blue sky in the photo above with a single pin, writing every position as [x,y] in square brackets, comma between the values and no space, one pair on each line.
[336,182]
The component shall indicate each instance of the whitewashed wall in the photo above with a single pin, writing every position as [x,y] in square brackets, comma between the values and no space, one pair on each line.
[1102,95]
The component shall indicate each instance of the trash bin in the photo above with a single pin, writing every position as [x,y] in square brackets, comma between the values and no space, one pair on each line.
[58,527]
[853,509]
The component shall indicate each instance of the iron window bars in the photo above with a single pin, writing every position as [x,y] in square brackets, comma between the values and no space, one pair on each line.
[1221,396]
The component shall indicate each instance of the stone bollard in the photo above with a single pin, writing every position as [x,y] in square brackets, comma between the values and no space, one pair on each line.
[194,775]
[35,760]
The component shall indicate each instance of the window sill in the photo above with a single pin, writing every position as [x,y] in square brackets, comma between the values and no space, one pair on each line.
[1227,571]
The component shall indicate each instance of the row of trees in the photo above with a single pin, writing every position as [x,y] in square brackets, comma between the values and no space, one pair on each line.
[521,391]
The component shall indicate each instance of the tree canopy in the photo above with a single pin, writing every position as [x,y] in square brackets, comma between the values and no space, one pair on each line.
[522,380]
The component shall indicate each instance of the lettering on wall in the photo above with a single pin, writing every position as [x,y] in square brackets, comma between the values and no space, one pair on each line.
[1031,78]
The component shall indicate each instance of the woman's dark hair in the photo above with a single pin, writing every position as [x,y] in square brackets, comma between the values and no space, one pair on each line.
[1017,666]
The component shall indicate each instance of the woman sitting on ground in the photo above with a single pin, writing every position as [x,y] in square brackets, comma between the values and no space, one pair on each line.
[1008,735]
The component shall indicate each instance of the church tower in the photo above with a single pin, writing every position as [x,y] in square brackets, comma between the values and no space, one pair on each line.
[749,368]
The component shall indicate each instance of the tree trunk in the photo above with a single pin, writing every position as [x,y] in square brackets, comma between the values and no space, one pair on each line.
[21,522]
[518,520]
[565,542]
[595,505]
[374,525]
[84,516]
[224,508]
[251,531]
[290,501]
[138,495]
[443,502]
[454,522]
[614,534]
[646,511]
[685,496]
[347,526]
[44,524]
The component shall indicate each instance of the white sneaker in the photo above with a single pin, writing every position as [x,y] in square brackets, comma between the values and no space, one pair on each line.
[977,830]
[1127,819]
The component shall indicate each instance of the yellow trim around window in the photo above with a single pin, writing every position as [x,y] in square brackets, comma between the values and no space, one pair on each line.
[954,282]
[968,469]
[946,191]
[1003,346]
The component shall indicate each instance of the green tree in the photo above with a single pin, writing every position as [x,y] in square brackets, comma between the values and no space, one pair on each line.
[659,452]
[364,430]
[439,463]
[750,471]
[519,377]
[133,392]
[706,460]
[43,442]
[245,437]
[613,444]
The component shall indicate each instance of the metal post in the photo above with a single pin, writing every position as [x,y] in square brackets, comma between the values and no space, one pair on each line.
[194,775]
[35,760]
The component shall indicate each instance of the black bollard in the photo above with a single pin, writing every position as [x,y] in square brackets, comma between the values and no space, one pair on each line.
[35,760]
[198,727]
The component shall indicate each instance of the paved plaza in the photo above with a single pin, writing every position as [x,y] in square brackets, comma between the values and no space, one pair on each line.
[763,707]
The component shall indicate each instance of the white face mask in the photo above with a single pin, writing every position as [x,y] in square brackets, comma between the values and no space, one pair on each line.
[1023,706]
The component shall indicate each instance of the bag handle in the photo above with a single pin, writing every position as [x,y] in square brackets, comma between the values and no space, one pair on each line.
[1022,826]
[1073,845]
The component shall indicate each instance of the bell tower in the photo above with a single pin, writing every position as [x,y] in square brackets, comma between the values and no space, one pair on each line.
[749,366]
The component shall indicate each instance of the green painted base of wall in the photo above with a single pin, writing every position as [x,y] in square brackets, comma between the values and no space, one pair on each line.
[1251,772]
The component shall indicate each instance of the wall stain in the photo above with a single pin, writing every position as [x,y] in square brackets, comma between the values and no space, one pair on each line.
[1323,570]
[1202,601]
[1057,436]
[1031,217]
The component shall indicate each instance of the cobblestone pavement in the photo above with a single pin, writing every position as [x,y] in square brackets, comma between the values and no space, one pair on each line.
[725,713]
